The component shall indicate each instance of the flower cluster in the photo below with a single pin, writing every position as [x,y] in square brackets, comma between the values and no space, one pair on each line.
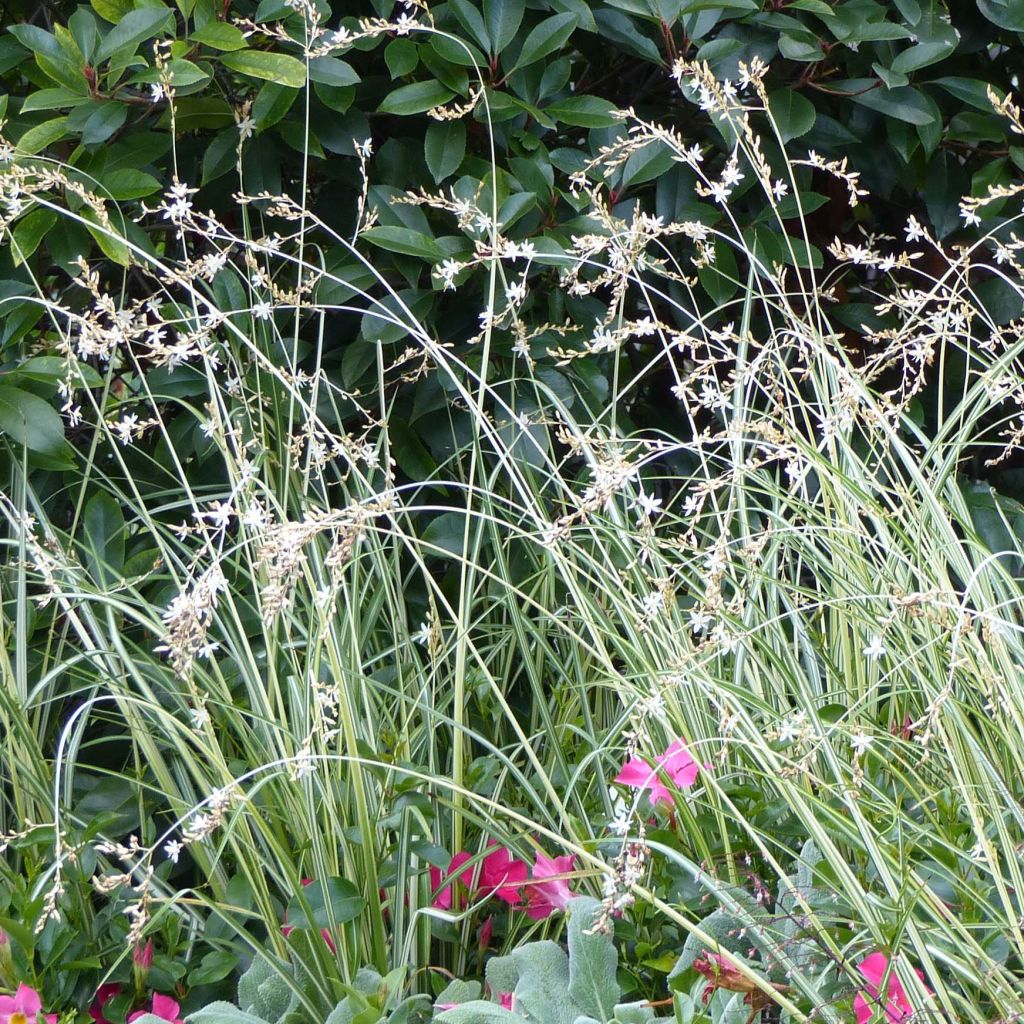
[539,893]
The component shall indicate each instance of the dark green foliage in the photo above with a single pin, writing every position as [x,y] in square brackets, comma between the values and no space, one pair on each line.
[900,89]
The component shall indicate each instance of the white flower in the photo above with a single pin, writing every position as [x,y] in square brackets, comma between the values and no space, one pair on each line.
[970,217]
[200,717]
[364,148]
[699,620]
[405,25]
[447,271]
[173,850]
[422,635]
[516,292]
[652,604]
[603,340]
[125,428]
[792,727]
[860,742]
[647,504]
[619,825]
[246,128]
[875,649]
[780,189]
[725,638]
[914,231]
[156,92]
[220,514]
[262,310]
[303,764]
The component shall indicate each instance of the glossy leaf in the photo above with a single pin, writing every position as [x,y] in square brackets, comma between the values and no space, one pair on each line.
[271,67]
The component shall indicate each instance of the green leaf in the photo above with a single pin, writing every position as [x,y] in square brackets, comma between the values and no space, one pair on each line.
[103,122]
[503,18]
[52,99]
[690,6]
[219,35]
[221,154]
[592,961]
[272,67]
[216,966]
[53,369]
[28,420]
[332,71]
[907,103]
[469,18]
[401,57]
[615,26]
[478,1011]
[794,115]
[212,1013]
[583,112]
[923,54]
[29,232]
[128,183]
[135,27]
[415,98]
[110,243]
[112,10]
[550,35]
[330,901]
[104,534]
[1008,14]
[404,241]
[801,48]
[85,31]
[38,40]
[444,146]
[972,91]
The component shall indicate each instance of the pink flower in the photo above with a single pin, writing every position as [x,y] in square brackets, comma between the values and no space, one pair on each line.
[445,895]
[501,875]
[547,891]
[103,994]
[23,1008]
[676,763]
[897,1007]
[505,999]
[142,956]
[164,1007]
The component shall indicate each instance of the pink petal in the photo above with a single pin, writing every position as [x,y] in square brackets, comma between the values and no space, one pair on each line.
[502,876]
[27,1000]
[547,893]
[637,773]
[873,968]
[165,1007]
[679,765]
[505,1000]
[443,899]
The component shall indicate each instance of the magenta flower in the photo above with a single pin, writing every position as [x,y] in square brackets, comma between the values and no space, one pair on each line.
[23,1008]
[505,1000]
[103,994]
[676,763]
[548,890]
[446,894]
[164,1007]
[897,1007]
[501,875]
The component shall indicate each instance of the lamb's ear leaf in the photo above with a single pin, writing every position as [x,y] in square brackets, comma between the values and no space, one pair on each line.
[214,1013]
[592,960]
